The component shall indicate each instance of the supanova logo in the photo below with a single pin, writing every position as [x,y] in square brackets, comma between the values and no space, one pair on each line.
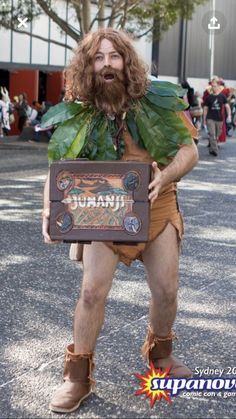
[175,385]
[157,384]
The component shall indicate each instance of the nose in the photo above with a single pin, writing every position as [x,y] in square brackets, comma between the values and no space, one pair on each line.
[107,60]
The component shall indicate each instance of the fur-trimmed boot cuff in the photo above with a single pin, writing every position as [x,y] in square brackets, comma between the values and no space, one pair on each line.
[78,382]
[158,350]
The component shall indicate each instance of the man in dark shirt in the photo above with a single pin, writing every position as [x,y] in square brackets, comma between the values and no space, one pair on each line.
[212,115]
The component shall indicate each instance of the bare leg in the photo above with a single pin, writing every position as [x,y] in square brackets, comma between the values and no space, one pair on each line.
[99,266]
[161,261]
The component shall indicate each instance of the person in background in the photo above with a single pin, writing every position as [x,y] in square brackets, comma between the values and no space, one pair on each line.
[38,107]
[225,91]
[213,115]
[190,98]
[21,106]
[32,115]
[226,126]
[196,111]
[193,109]
[5,111]
[232,104]
[36,122]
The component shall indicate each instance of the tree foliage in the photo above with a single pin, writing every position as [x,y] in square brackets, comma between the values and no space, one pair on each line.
[138,17]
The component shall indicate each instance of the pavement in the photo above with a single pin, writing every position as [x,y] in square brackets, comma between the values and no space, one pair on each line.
[14,142]
[40,287]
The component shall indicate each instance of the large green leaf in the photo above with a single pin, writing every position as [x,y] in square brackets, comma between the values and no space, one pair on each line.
[174,103]
[162,132]
[63,137]
[89,149]
[98,144]
[166,88]
[105,146]
[78,143]
[169,123]
[60,113]
[132,127]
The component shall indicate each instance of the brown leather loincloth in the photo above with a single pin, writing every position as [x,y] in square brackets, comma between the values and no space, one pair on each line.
[165,209]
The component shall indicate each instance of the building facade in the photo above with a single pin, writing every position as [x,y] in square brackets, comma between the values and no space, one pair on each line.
[185,51]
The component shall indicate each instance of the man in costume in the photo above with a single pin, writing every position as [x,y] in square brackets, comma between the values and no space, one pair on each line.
[111,111]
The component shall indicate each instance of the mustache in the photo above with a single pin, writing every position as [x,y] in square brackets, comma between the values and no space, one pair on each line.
[109,72]
[109,97]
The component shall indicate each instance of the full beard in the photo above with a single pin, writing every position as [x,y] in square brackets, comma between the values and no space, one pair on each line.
[110,96]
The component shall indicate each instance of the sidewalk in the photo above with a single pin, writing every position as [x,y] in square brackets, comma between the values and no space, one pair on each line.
[40,287]
[13,142]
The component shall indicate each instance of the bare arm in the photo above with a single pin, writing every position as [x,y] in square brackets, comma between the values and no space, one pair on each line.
[184,161]
[46,202]
[205,110]
[228,111]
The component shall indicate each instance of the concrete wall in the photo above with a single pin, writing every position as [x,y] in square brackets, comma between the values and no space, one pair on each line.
[197,48]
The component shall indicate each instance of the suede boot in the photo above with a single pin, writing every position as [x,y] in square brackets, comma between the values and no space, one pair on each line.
[158,350]
[78,382]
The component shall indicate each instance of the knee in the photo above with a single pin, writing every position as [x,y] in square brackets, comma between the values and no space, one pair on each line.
[169,296]
[91,296]
[165,293]
[94,294]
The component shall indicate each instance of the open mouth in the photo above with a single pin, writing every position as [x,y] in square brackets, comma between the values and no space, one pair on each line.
[109,76]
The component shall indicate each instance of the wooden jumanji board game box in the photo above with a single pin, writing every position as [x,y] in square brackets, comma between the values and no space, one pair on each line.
[99,201]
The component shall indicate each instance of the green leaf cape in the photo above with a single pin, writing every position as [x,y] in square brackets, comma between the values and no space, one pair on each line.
[83,131]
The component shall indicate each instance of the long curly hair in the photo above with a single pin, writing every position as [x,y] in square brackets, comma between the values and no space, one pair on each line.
[79,74]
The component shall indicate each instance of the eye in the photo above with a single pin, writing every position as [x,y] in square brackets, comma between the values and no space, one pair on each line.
[115,56]
[98,58]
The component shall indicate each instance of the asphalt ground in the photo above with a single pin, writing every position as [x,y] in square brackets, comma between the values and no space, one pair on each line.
[40,286]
